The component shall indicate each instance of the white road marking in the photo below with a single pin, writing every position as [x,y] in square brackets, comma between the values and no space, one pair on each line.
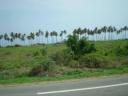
[81,89]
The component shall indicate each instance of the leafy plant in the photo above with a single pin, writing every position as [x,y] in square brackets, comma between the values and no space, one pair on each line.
[93,61]
[79,47]
[43,69]
[122,50]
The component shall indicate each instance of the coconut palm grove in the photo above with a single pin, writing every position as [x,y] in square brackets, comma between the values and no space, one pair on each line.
[104,33]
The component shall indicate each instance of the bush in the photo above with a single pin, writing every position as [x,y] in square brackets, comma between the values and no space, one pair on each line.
[122,50]
[41,52]
[93,61]
[58,57]
[7,53]
[44,69]
[9,46]
[48,65]
[17,45]
[36,53]
[79,47]
[11,74]
[37,71]
[123,61]
[73,63]
[62,58]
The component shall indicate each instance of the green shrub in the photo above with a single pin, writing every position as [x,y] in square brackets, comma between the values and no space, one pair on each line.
[62,57]
[79,47]
[58,57]
[36,71]
[7,74]
[73,64]
[44,69]
[36,53]
[93,61]
[124,60]
[17,45]
[43,51]
[122,50]
[7,53]
[11,74]
[48,65]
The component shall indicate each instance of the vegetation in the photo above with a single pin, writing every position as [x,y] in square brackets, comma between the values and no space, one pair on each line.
[79,47]
[42,37]
[76,74]
[44,62]
[75,57]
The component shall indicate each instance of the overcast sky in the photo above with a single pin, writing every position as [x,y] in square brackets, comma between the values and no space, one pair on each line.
[31,15]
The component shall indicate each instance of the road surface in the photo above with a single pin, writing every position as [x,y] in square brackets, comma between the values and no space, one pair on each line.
[103,86]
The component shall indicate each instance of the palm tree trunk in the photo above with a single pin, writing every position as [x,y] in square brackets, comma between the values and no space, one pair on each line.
[56,39]
[47,40]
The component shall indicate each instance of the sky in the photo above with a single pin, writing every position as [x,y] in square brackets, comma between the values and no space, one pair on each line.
[32,15]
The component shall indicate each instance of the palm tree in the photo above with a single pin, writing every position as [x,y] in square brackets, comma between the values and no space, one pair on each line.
[61,35]
[32,35]
[6,37]
[125,28]
[95,32]
[75,32]
[56,34]
[18,35]
[11,40]
[110,31]
[127,32]
[85,31]
[114,31]
[79,32]
[46,35]
[1,37]
[23,38]
[42,33]
[64,32]
[37,34]
[12,36]
[52,38]
[29,39]
[90,33]
[104,30]
[99,32]
[119,32]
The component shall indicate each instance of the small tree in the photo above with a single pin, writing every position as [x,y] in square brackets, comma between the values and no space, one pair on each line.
[79,47]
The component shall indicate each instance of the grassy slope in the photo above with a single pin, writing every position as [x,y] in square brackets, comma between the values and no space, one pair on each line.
[73,75]
[22,57]
[21,60]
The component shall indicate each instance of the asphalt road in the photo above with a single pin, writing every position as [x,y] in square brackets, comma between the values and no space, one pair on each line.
[103,86]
